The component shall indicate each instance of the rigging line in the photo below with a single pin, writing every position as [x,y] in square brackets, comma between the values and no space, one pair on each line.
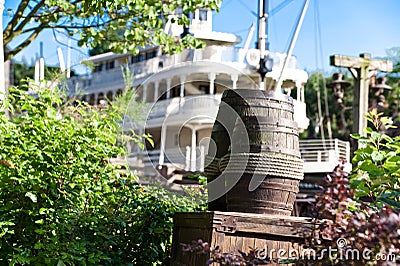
[319,34]
[327,113]
[317,85]
[316,37]
[320,117]
[271,12]
[279,7]
[321,56]
[248,8]
[292,43]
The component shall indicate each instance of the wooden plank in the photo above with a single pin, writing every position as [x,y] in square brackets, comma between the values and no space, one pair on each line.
[266,224]
[259,244]
[252,231]
[358,62]
[239,244]
[226,243]
[248,242]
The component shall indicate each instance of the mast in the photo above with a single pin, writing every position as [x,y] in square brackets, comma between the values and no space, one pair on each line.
[262,44]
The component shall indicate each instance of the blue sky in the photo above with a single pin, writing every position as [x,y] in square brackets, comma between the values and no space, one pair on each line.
[347,27]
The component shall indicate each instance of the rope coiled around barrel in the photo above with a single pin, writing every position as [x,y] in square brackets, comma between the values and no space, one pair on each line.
[212,166]
[266,163]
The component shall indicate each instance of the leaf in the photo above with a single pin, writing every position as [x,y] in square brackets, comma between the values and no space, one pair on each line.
[358,136]
[60,263]
[368,166]
[31,196]
[385,198]
[376,136]
[38,245]
[377,156]
[158,230]
[149,139]
[367,130]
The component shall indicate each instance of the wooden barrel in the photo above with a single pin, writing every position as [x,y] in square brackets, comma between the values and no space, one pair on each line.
[218,148]
[268,161]
[269,120]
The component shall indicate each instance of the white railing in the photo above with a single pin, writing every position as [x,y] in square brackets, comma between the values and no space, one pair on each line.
[320,156]
[323,155]
[177,158]
[206,105]
[215,53]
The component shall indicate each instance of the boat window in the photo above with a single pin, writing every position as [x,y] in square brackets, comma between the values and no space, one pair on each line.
[142,57]
[110,65]
[151,54]
[97,68]
[175,91]
[202,15]
[134,59]
[204,89]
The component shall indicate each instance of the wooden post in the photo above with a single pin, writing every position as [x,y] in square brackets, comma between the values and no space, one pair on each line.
[360,68]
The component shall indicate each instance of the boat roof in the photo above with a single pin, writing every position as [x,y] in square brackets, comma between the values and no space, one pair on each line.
[222,38]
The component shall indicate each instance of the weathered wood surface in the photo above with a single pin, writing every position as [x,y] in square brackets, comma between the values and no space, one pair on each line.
[234,232]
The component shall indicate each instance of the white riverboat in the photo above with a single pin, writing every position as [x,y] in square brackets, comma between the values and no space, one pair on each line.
[183,92]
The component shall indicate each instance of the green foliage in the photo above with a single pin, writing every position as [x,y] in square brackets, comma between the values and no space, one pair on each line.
[133,110]
[62,201]
[199,177]
[377,174]
[123,25]
[23,71]
[362,227]
[315,85]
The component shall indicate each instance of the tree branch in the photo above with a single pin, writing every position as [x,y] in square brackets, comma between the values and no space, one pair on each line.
[30,15]
[64,44]
[13,32]
[79,26]
[14,21]
[25,43]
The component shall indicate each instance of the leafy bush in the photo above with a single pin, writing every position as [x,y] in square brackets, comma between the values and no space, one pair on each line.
[377,172]
[61,200]
[346,226]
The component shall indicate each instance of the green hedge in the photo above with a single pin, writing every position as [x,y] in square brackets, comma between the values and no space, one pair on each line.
[62,202]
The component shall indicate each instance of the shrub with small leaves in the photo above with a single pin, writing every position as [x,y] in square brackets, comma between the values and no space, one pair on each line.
[62,202]
[351,232]
[377,172]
